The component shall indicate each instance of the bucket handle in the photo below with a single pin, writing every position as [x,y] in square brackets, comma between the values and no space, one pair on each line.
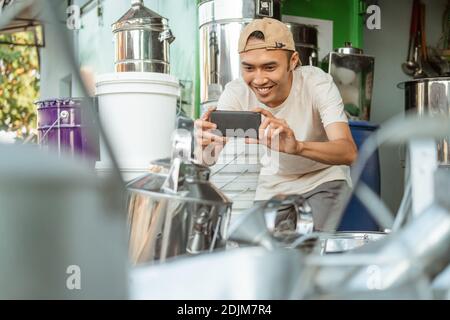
[64,114]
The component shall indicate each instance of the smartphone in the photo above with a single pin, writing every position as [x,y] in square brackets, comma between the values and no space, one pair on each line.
[242,124]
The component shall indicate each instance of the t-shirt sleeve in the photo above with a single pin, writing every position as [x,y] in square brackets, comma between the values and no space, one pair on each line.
[229,99]
[327,100]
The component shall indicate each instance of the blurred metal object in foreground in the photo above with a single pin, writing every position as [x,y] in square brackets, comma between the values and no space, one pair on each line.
[413,256]
[245,273]
[341,242]
[287,221]
[400,266]
[142,39]
[274,223]
[63,232]
[176,213]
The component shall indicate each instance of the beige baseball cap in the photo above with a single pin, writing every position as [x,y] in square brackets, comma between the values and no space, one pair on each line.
[276,35]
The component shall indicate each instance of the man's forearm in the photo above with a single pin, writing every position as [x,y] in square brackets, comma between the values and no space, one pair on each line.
[336,152]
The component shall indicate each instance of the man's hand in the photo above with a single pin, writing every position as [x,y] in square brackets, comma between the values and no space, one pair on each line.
[276,134]
[208,145]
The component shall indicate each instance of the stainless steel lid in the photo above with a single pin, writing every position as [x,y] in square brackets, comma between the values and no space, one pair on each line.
[349,49]
[140,17]
[193,186]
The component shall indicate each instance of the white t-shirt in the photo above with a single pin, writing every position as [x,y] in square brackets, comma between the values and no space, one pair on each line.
[313,103]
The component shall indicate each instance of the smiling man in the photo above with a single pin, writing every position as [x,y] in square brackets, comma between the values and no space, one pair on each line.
[304,129]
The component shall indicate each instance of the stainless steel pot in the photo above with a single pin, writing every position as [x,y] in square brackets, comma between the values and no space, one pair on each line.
[166,224]
[305,39]
[142,39]
[430,96]
[220,24]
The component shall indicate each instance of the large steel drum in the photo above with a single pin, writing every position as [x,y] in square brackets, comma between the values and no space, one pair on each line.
[430,96]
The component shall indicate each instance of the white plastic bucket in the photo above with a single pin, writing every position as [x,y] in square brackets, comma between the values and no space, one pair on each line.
[138,113]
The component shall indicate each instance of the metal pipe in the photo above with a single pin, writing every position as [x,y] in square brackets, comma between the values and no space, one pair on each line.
[422,248]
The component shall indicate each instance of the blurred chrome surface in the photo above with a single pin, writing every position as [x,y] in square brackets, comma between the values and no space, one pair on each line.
[414,255]
[401,265]
[346,241]
[245,273]
[62,229]
[274,223]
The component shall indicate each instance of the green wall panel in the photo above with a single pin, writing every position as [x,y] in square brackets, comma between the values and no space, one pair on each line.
[347,22]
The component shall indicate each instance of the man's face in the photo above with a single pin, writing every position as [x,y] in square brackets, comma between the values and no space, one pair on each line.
[268,74]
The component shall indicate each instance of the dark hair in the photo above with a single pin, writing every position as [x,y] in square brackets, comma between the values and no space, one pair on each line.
[260,36]
[256,35]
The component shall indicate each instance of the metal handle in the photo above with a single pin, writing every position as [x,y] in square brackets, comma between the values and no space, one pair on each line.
[166,35]
[137,2]
[304,223]
[62,115]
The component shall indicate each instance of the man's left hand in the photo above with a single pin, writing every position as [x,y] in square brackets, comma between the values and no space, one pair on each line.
[275,134]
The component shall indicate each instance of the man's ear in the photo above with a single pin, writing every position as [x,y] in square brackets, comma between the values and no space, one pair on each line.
[294,61]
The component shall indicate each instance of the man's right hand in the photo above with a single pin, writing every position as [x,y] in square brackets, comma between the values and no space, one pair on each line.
[209,144]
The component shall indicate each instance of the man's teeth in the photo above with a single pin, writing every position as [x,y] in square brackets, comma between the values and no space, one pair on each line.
[263,90]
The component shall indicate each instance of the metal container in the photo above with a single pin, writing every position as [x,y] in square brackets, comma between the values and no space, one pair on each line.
[352,72]
[430,96]
[142,39]
[305,39]
[166,224]
[65,128]
[220,24]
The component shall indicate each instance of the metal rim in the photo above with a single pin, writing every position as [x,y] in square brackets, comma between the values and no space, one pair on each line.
[63,99]
[349,235]
[158,195]
[403,84]
[158,24]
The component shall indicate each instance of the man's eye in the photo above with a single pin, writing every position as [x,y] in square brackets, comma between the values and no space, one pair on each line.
[248,68]
[270,68]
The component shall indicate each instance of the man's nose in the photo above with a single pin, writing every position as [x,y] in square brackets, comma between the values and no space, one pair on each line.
[260,79]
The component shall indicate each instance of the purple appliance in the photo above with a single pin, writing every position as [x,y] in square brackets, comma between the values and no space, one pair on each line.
[65,127]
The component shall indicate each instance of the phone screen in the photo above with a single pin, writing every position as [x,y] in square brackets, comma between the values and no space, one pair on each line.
[242,124]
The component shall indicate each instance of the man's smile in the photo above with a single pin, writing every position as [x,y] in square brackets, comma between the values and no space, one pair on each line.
[263,91]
